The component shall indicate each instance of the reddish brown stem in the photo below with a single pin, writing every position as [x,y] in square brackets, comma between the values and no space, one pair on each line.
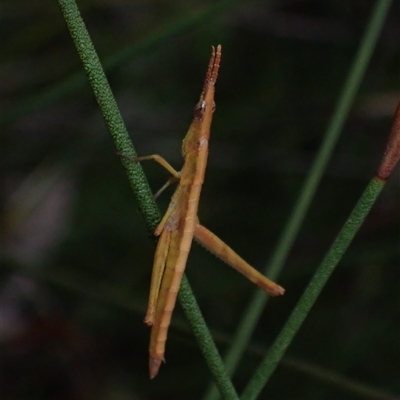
[392,152]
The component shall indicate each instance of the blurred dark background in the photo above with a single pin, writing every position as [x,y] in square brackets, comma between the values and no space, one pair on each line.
[76,255]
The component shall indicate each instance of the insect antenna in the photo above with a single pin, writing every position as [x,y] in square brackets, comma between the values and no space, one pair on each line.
[212,70]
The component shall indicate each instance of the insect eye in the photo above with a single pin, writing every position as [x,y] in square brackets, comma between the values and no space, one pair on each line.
[199,109]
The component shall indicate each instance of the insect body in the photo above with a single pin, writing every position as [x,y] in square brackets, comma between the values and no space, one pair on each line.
[180,224]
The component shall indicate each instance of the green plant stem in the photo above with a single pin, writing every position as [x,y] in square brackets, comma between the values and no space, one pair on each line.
[292,227]
[313,289]
[138,182]
[205,341]
[76,80]
[109,110]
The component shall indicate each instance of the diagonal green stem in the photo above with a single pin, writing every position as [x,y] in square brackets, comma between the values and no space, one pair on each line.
[109,110]
[313,289]
[291,229]
[205,341]
[138,182]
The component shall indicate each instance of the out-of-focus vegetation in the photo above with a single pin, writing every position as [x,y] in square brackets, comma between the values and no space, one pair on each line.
[76,254]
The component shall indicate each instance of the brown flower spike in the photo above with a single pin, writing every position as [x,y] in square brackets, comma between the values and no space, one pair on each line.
[392,152]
